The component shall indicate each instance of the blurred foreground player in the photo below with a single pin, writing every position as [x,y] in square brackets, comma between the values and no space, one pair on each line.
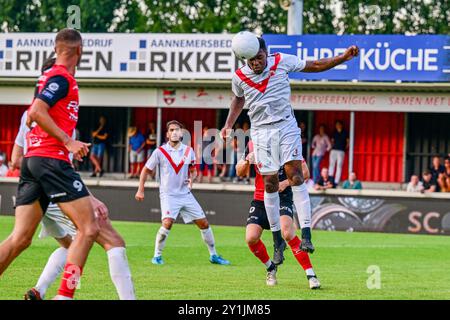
[176,162]
[47,174]
[257,222]
[56,224]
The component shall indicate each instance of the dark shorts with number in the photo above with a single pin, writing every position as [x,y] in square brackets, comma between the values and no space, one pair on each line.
[48,180]
[257,213]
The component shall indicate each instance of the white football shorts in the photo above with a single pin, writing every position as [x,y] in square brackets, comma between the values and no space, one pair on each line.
[185,204]
[276,144]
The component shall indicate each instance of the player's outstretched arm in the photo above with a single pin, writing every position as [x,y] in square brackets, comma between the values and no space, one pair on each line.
[39,113]
[140,193]
[237,104]
[328,63]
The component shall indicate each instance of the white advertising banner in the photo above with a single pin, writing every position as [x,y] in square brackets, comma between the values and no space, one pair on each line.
[151,56]
[314,100]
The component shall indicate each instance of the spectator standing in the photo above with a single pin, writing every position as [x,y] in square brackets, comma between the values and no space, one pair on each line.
[340,141]
[3,167]
[325,181]
[304,137]
[352,182]
[245,128]
[151,139]
[136,149]
[207,155]
[429,184]
[100,137]
[436,167]
[321,144]
[414,184]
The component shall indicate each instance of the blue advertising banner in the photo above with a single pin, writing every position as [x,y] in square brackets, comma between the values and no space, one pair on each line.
[421,58]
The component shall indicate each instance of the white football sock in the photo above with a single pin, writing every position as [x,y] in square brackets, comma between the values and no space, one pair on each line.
[302,204]
[272,205]
[120,273]
[208,237]
[55,265]
[160,242]
[310,272]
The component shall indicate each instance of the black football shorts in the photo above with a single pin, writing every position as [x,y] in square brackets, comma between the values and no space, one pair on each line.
[257,213]
[48,180]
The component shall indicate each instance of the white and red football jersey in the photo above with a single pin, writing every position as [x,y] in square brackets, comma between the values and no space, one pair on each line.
[267,95]
[173,168]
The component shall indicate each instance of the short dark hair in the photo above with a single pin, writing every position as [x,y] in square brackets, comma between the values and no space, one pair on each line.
[262,44]
[68,35]
[339,121]
[426,173]
[175,122]
[48,64]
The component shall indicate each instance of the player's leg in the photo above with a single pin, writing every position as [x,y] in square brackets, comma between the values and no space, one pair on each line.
[332,164]
[340,162]
[27,218]
[302,257]
[81,213]
[161,238]
[272,207]
[56,225]
[266,145]
[302,201]
[291,157]
[119,268]
[53,268]
[193,212]
[256,223]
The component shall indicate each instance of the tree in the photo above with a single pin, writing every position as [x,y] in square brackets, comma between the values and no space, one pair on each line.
[51,15]
[217,16]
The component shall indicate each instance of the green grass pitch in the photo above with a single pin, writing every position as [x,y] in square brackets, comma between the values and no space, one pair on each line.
[412,267]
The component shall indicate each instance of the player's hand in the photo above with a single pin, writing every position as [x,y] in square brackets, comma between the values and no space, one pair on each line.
[139,196]
[225,132]
[189,183]
[283,185]
[251,158]
[78,148]
[100,209]
[351,52]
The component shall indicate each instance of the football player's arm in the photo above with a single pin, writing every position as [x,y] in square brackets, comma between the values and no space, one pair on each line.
[143,177]
[148,169]
[17,156]
[328,63]
[242,167]
[237,104]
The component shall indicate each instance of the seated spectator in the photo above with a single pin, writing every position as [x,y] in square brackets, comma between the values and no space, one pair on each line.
[429,184]
[414,184]
[12,172]
[436,167]
[352,182]
[3,167]
[136,149]
[325,181]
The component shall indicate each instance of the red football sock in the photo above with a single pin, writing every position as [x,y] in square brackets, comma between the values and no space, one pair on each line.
[301,256]
[260,251]
[69,282]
